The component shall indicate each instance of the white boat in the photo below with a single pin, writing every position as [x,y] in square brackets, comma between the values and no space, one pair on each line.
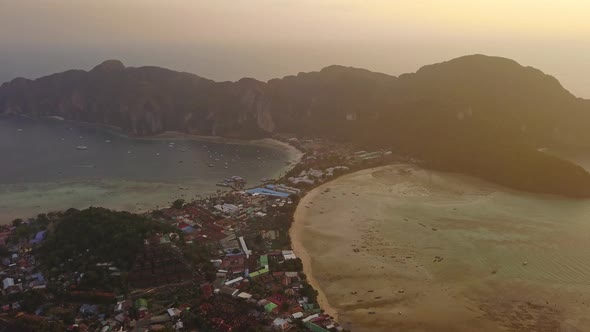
[19,130]
[107,141]
[81,147]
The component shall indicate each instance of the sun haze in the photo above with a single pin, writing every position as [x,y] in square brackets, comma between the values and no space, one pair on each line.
[226,40]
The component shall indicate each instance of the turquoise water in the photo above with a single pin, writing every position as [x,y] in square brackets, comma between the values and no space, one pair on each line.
[45,167]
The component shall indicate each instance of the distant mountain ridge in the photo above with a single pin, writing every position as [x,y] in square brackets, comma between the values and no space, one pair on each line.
[147,100]
[445,112]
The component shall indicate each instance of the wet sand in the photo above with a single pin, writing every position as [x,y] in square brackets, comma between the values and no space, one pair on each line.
[429,251]
[296,232]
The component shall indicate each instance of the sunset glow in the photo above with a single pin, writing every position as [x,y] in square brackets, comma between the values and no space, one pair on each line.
[395,36]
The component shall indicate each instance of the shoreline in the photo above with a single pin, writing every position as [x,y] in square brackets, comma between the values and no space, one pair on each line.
[413,292]
[295,233]
[294,154]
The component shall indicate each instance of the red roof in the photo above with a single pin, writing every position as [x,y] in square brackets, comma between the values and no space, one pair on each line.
[277,299]
[207,290]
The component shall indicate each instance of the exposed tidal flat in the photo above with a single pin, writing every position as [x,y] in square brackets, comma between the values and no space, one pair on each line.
[399,248]
[50,165]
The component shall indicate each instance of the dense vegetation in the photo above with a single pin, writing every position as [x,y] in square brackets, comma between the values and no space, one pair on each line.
[96,235]
[467,146]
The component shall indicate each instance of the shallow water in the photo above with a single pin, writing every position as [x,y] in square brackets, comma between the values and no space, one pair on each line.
[42,169]
[507,260]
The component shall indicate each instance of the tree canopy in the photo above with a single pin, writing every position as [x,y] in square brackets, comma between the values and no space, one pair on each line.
[97,235]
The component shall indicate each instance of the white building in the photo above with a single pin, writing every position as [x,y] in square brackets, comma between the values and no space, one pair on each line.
[8,282]
[227,209]
[288,254]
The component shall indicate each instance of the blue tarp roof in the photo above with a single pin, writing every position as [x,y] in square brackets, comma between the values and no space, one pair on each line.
[267,192]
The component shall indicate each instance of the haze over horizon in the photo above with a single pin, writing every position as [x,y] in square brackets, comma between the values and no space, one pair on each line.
[264,39]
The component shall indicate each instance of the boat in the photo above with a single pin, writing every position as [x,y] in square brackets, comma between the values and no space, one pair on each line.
[157,154]
[107,141]
[19,130]
[81,147]
[210,165]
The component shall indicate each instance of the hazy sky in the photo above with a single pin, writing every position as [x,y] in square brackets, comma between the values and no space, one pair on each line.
[230,39]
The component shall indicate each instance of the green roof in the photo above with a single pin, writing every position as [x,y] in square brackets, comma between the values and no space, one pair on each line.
[314,327]
[141,302]
[308,306]
[259,272]
[270,307]
[263,260]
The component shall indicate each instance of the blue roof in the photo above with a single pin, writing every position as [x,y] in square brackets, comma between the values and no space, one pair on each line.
[189,229]
[267,192]
[89,309]
[39,277]
[40,236]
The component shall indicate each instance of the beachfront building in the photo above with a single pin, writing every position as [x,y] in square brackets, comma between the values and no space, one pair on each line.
[288,254]
[267,192]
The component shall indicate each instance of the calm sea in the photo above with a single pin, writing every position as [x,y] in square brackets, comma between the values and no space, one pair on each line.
[48,164]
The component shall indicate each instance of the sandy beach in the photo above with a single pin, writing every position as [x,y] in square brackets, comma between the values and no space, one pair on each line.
[296,234]
[294,154]
[398,248]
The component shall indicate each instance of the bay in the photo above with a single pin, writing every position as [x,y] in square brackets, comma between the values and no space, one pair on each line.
[48,165]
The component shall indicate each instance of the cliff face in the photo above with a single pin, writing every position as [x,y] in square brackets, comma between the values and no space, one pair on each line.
[477,91]
[142,101]
[472,95]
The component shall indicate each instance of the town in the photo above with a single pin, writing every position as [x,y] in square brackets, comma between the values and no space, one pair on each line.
[219,263]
